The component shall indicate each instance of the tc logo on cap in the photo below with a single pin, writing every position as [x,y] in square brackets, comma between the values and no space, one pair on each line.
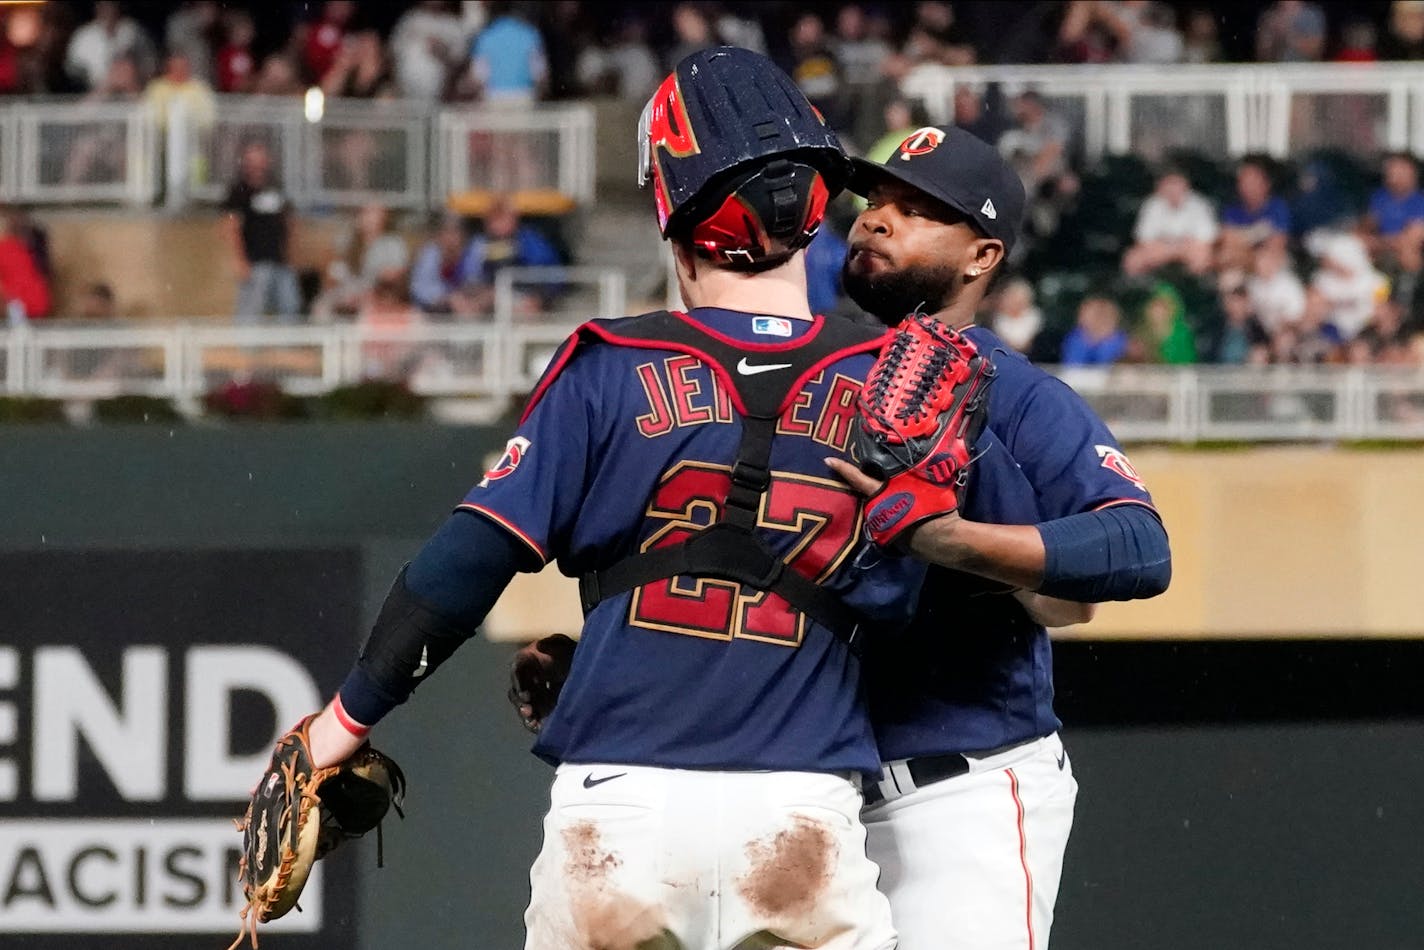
[921,141]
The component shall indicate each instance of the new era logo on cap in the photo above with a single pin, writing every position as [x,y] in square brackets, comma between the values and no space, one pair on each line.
[988,210]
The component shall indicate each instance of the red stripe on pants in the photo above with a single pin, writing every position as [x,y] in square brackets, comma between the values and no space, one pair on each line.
[1023,854]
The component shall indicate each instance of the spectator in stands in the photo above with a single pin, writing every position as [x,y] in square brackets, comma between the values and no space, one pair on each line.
[360,69]
[814,68]
[902,118]
[1201,42]
[1083,37]
[859,53]
[1358,42]
[109,36]
[1098,338]
[278,76]
[1241,338]
[178,87]
[1174,226]
[1380,337]
[508,242]
[1291,31]
[191,30]
[735,29]
[1346,282]
[258,227]
[98,153]
[426,45]
[627,69]
[1143,31]
[96,303]
[1037,147]
[1319,200]
[507,59]
[386,307]
[693,32]
[367,254]
[1016,320]
[1312,340]
[24,291]
[937,37]
[1276,293]
[1394,225]
[236,66]
[1164,336]
[1255,219]
[44,67]
[324,39]
[1406,31]
[444,269]
[973,112]
[35,238]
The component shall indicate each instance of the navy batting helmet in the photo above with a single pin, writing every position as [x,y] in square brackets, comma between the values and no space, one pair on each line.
[741,164]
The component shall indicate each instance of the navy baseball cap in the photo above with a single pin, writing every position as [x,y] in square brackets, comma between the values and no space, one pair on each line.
[958,168]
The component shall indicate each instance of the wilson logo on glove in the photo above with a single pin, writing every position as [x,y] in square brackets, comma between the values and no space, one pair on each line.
[885,514]
[920,412]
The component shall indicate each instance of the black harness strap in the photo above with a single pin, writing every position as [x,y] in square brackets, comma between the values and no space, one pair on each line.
[729,549]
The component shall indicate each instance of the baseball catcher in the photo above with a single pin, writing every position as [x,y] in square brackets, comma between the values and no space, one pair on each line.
[299,813]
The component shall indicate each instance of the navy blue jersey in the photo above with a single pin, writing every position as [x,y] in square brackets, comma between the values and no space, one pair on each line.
[630,448]
[973,672]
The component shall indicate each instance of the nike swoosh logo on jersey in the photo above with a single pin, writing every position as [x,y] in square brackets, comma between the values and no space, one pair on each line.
[424,664]
[589,781]
[747,369]
[1062,759]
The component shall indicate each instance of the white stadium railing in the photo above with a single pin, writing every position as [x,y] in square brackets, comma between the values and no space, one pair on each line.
[1219,110]
[411,155]
[502,359]
[343,153]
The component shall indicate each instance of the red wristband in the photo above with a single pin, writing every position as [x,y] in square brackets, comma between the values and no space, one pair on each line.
[347,723]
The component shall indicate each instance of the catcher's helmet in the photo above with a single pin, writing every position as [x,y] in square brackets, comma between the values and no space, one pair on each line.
[741,164]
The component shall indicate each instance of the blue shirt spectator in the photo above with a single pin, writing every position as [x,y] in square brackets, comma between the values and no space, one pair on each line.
[824,258]
[1399,202]
[508,59]
[444,266]
[1393,213]
[1098,339]
[508,242]
[1274,212]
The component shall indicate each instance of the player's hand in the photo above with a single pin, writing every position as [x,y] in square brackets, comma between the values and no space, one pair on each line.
[854,477]
[536,677]
[331,742]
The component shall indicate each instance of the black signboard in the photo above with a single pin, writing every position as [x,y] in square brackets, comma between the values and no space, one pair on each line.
[140,693]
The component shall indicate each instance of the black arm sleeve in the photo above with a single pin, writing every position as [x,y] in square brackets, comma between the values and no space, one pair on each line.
[437,603]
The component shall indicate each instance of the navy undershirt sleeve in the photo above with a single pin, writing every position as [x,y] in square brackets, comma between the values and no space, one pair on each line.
[447,591]
[464,568]
[1116,553]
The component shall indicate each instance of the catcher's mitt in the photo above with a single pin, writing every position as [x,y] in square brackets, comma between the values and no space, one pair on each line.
[537,676]
[920,411]
[299,813]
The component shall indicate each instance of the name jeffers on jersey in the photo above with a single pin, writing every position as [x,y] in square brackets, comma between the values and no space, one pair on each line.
[681,391]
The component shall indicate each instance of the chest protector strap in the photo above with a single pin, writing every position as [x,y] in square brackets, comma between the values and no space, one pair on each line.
[729,549]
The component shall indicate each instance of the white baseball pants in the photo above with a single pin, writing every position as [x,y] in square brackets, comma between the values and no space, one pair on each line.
[973,862]
[639,858]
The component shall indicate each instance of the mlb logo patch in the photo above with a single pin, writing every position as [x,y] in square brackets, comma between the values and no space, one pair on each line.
[771,326]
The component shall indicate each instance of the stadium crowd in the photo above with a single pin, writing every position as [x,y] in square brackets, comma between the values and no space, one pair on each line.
[1181,261]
